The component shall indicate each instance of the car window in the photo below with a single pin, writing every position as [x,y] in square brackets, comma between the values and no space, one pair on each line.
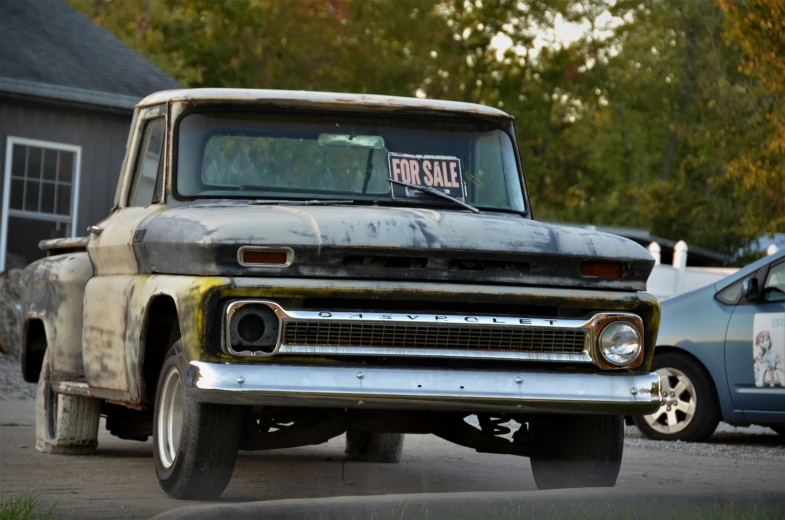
[732,293]
[774,289]
[149,165]
[283,156]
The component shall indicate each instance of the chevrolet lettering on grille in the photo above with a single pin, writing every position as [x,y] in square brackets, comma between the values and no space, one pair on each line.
[437,318]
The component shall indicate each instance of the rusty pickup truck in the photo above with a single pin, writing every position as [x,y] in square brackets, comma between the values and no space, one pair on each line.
[281,268]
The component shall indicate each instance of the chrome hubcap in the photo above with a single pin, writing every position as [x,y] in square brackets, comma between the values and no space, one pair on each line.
[678,403]
[170,417]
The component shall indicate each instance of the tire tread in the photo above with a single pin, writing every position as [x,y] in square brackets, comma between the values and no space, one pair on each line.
[76,431]
[208,448]
[584,451]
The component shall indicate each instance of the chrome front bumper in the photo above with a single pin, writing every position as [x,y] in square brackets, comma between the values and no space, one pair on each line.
[325,386]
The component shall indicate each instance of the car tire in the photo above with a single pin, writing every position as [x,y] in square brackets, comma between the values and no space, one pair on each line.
[194,444]
[691,415]
[64,424]
[374,447]
[577,451]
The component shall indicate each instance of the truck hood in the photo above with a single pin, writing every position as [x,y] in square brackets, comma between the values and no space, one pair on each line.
[383,242]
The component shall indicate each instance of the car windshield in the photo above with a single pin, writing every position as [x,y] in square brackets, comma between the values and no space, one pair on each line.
[313,156]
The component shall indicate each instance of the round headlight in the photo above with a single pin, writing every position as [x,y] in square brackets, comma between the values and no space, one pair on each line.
[620,343]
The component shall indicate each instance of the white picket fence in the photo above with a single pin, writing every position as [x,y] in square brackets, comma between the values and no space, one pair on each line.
[667,281]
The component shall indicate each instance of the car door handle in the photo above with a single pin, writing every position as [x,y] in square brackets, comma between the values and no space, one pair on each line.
[95,230]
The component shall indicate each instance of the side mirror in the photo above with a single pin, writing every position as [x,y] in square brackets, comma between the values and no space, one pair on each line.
[749,288]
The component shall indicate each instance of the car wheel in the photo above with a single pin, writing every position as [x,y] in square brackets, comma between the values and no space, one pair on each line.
[194,444]
[689,411]
[64,424]
[577,451]
[374,447]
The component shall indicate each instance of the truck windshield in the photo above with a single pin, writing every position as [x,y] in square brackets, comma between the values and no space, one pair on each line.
[277,156]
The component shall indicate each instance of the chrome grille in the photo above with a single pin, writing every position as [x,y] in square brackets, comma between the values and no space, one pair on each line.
[387,335]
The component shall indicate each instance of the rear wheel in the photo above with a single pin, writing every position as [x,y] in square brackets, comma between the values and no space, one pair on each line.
[689,410]
[64,424]
[577,451]
[374,447]
[194,444]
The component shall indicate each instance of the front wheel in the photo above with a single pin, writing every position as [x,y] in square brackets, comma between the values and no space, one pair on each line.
[689,410]
[577,451]
[194,444]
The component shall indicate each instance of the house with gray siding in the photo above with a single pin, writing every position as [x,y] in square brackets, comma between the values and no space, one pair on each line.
[67,92]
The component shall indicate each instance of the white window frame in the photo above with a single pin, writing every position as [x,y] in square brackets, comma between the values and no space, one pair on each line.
[62,147]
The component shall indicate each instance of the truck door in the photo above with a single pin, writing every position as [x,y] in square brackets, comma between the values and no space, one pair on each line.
[755,345]
[114,263]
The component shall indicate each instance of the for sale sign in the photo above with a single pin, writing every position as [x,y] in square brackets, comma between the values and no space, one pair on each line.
[440,172]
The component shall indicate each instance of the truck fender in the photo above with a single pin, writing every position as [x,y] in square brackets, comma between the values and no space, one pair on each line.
[52,295]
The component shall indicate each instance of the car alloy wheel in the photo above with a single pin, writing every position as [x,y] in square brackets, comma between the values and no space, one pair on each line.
[679,402]
[170,418]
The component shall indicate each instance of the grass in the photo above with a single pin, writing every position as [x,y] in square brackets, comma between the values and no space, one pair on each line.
[24,508]
[729,511]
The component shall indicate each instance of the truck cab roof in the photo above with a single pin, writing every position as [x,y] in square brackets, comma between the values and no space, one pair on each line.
[326,101]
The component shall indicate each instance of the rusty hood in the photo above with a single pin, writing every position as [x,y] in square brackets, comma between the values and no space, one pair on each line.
[357,241]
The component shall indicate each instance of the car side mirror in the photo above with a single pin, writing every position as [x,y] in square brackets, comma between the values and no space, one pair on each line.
[749,288]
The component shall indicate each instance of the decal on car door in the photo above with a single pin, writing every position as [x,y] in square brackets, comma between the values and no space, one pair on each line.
[768,349]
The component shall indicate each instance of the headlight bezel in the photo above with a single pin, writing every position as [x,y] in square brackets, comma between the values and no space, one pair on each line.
[633,343]
[600,325]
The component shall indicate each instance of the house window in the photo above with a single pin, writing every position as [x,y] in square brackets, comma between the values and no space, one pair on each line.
[40,197]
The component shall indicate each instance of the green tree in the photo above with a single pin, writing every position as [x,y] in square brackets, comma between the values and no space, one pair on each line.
[662,115]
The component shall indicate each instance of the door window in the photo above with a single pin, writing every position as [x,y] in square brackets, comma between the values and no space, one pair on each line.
[774,288]
[148,170]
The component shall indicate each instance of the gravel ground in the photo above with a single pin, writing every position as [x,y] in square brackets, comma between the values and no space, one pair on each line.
[12,386]
[752,442]
[738,464]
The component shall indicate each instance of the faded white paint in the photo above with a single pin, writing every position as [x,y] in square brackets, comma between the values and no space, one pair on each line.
[112,251]
[322,100]
[104,321]
[52,291]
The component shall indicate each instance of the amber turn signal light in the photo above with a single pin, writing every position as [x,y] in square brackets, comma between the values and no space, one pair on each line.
[264,257]
[602,269]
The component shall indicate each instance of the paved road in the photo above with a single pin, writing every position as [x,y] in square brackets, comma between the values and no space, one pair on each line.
[120,480]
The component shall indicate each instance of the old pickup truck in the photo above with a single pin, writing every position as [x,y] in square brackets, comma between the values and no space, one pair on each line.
[281,268]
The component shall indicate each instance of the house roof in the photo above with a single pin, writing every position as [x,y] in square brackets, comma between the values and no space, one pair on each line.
[49,49]
[325,100]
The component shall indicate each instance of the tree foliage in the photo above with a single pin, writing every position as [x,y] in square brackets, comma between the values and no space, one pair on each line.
[661,115]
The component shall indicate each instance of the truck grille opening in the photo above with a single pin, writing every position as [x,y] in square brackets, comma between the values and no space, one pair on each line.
[315,333]
[463,264]
[379,262]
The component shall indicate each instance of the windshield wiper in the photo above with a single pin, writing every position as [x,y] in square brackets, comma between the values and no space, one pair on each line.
[314,202]
[436,193]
